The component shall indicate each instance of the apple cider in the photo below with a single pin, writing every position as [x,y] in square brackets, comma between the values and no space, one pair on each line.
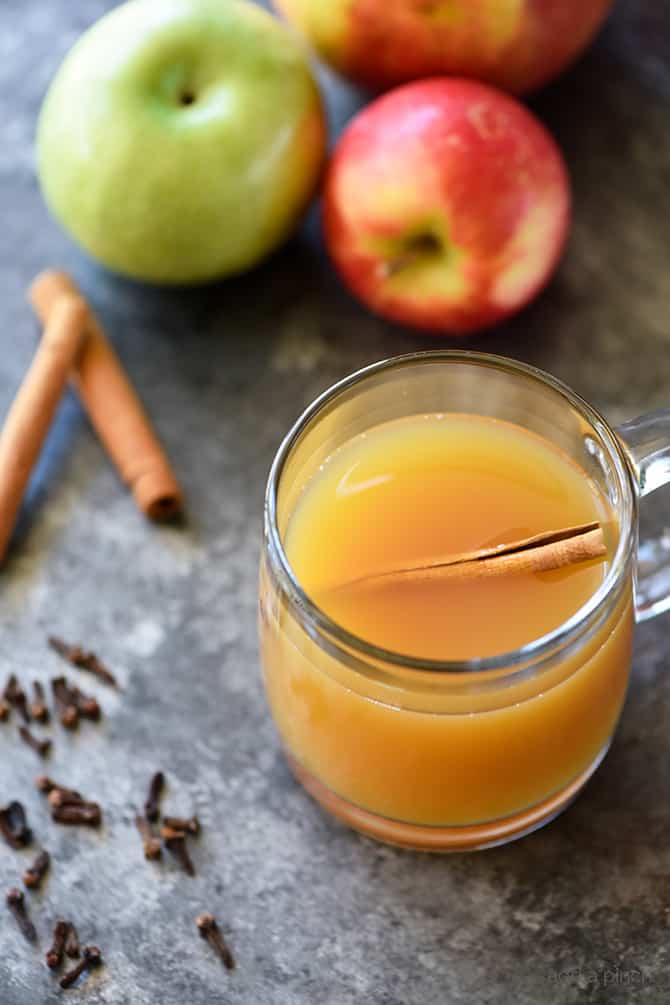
[418,747]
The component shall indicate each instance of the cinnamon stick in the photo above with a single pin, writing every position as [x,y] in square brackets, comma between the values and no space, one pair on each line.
[35,404]
[114,409]
[540,553]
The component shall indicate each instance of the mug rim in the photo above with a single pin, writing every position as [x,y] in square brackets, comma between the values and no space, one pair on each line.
[531,652]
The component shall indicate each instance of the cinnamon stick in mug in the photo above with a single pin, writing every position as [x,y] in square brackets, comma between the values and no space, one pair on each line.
[114,409]
[33,408]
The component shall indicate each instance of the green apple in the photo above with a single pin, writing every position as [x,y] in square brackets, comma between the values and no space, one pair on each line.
[181,140]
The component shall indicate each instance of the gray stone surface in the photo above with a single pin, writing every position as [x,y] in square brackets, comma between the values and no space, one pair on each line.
[314,912]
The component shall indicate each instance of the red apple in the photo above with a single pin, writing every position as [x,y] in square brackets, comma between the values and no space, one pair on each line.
[446,205]
[515,44]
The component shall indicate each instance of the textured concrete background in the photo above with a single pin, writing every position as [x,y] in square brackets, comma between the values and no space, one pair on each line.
[313,912]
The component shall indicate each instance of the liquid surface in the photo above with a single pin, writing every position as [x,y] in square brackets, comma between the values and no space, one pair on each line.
[414,489]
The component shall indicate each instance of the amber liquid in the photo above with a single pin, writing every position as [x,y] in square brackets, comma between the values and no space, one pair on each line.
[409,491]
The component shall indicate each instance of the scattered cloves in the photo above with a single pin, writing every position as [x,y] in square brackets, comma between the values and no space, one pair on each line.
[152,845]
[152,804]
[82,659]
[175,842]
[41,747]
[72,942]
[38,708]
[188,825]
[68,712]
[17,905]
[36,872]
[92,957]
[14,825]
[54,955]
[210,931]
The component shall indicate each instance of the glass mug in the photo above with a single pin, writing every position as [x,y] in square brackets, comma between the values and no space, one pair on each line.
[451,756]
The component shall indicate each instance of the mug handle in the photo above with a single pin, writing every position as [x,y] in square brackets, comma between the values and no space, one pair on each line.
[647,443]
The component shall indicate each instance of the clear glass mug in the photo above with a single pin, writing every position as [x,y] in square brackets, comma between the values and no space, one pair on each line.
[406,750]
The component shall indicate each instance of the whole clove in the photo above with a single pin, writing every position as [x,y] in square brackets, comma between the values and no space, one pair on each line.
[38,707]
[152,845]
[78,813]
[15,696]
[14,825]
[92,957]
[82,659]
[41,747]
[210,931]
[72,942]
[175,842]
[47,785]
[17,905]
[4,710]
[36,872]
[54,955]
[66,703]
[65,797]
[188,825]
[152,803]
[87,706]
[69,806]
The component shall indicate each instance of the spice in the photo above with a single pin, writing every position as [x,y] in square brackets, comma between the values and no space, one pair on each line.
[87,706]
[210,931]
[188,825]
[83,659]
[38,708]
[152,845]
[72,942]
[540,553]
[65,702]
[114,409]
[84,814]
[64,797]
[34,406]
[92,957]
[4,710]
[69,806]
[36,872]
[17,905]
[47,785]
[54,955]
[15,696]
[41,747]
[14,825]
[175,842]
[151,805]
